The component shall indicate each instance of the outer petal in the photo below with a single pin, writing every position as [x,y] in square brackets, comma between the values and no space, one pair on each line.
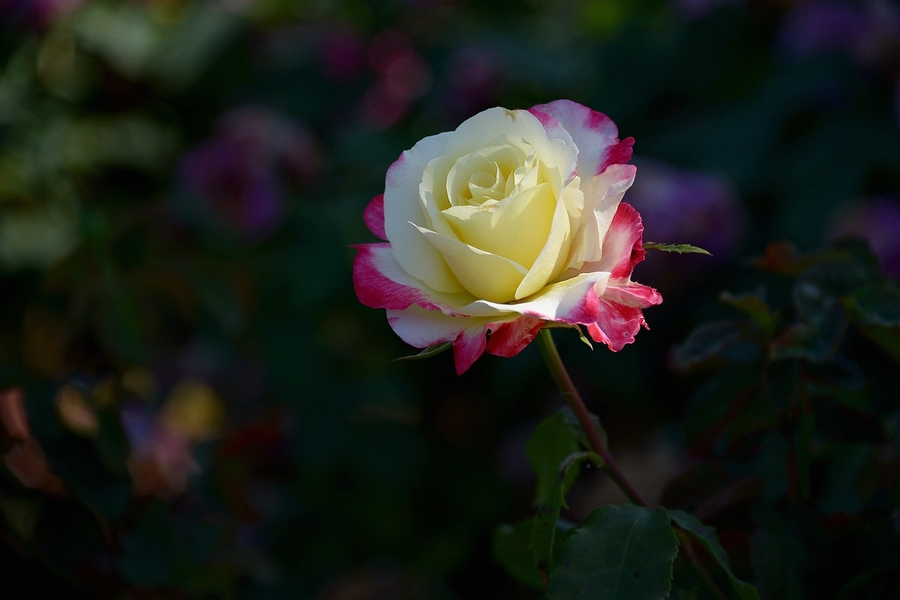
[380,282]
[602,195]
[595,134]
[402,206]
[509,338]
[623,244]
[373,216]
[486,127]
[572,301]
[422,328]
[617,324]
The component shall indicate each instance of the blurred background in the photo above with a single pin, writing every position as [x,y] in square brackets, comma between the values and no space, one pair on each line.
[193,402]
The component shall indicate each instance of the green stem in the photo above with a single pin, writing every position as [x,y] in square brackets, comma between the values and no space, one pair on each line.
[567,388]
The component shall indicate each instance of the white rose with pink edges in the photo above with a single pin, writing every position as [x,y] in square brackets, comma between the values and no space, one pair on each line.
[512,221]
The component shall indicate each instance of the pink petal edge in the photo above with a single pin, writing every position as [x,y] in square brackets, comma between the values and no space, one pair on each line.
[373,216]
[379,281]
[623,246]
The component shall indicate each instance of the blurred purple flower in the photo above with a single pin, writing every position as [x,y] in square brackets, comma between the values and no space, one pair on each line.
[342,54]
[869,31]
[695,9]
[815,26]
[237,174]
[37,14]
[877,220]
[688,207]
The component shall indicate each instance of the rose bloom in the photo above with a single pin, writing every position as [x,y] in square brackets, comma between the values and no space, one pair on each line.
[512,221]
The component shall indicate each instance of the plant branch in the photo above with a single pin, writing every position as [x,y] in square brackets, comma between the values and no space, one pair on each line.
[567,388]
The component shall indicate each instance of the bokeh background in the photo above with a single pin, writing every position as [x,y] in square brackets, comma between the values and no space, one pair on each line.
[194,404]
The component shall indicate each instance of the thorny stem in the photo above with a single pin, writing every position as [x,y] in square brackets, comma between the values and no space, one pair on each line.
[567,388]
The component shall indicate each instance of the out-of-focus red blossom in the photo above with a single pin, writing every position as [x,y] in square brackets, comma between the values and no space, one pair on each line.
[693,207]
[25,459]
[36,14]
[403,76]
[238,174]
[877,220]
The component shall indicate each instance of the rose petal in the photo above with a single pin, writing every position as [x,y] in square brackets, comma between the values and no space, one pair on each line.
[373,216]
[629,293]
[602,195]
[423,328]
[402,206]
[483,274]
[380,282]
[509,338]
[489,127]
[572,301]
[551,260]
[616,324]
[622,246]
[516,228]
[595,135]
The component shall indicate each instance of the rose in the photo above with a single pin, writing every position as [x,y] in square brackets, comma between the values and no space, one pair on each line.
[511,221]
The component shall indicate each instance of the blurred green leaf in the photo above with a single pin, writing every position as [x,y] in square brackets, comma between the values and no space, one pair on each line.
[511,548]
[543,534]
[707,536]
[753,306]
[711,341]
[621,552]
[553,441]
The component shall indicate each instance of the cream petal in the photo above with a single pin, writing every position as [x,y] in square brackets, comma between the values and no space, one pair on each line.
[516,228]
[565,301]
[552,258]
[483,274]
[602,195]
[402,206]
[484,128]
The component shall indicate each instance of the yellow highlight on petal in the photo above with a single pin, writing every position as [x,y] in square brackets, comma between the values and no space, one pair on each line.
[515,228]
[484,275]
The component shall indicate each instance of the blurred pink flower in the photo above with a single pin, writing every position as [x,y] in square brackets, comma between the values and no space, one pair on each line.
[403,76]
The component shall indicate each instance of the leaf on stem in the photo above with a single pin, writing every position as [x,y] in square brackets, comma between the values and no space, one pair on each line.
[708,538]
[679,248]
[553,441]
[427,352]
[620,553]
[543,532]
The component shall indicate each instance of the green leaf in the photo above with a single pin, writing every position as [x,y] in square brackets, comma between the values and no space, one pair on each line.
[620,553]
[552,442]
[427,352]
[543,533]
[679,248]
[708,341]
[753,306]
[512,552]
[708,538]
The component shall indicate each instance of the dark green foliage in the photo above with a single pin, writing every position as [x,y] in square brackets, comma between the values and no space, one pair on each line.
[621,552]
